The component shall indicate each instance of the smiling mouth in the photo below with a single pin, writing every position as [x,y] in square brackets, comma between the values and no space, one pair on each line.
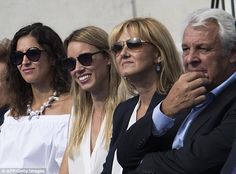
[84,78]
[126,62]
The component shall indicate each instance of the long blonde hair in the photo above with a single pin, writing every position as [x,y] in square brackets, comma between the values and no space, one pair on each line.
[152,31]
[82,101]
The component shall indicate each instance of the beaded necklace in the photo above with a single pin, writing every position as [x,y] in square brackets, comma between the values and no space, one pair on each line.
[42,108]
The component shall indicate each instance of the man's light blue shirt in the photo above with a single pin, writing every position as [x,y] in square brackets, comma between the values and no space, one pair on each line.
[163,123]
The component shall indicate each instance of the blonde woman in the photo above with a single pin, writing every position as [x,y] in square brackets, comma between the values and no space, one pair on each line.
[96,89]
[146,56]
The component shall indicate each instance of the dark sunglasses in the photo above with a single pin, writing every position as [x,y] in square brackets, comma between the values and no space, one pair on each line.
[132,44]
[33,54]
[85,59]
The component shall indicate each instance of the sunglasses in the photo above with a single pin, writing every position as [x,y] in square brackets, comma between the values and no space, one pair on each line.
[85,59]
[33,54]
[133,43]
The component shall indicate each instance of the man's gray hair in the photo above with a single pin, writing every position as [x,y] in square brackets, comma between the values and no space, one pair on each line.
[226,22]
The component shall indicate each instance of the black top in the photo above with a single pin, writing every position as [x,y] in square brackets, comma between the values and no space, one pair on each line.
[230,165]
[121,119]
[3,110]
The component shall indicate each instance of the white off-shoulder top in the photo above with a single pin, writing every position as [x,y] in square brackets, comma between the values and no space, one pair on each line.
[37,143]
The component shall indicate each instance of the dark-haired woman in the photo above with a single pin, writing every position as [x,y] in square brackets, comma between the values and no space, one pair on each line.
[34,133]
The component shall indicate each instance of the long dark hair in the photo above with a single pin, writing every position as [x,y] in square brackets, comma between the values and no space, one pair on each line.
[21,91]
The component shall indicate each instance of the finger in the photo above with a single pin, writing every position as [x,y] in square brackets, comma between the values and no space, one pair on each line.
[191,98]
[199,82]
[199,91]
[199,99]
[193,102]
[190,76]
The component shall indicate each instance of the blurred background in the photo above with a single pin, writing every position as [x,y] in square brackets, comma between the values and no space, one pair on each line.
[64,16]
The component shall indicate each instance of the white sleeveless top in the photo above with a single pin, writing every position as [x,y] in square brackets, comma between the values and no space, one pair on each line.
[85,163]
[37,143]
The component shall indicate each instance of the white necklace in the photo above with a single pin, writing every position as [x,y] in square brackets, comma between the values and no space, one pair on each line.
[42,108]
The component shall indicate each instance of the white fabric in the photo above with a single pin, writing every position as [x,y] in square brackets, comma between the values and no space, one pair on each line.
[116,167]
[85,163]
[36,143]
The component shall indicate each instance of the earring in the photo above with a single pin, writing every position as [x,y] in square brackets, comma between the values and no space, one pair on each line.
[158,67]
[124,77]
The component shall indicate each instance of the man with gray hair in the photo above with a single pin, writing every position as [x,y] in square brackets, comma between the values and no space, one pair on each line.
[207,90]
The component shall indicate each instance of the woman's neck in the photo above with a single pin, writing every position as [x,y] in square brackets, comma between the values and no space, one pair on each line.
[99,105]
[40,95]
[146,92]
[146,88]
[97,118]
[99,98]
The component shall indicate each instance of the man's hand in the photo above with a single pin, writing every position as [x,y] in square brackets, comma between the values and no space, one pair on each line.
[188,91]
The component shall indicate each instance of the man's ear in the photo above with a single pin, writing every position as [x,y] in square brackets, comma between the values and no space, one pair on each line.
[232,58]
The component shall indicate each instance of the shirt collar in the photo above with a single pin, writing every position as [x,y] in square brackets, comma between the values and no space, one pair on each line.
[216,91]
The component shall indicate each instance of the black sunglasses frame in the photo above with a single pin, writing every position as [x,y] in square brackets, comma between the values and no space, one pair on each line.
[133,43]
[85,59]
[33,54]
